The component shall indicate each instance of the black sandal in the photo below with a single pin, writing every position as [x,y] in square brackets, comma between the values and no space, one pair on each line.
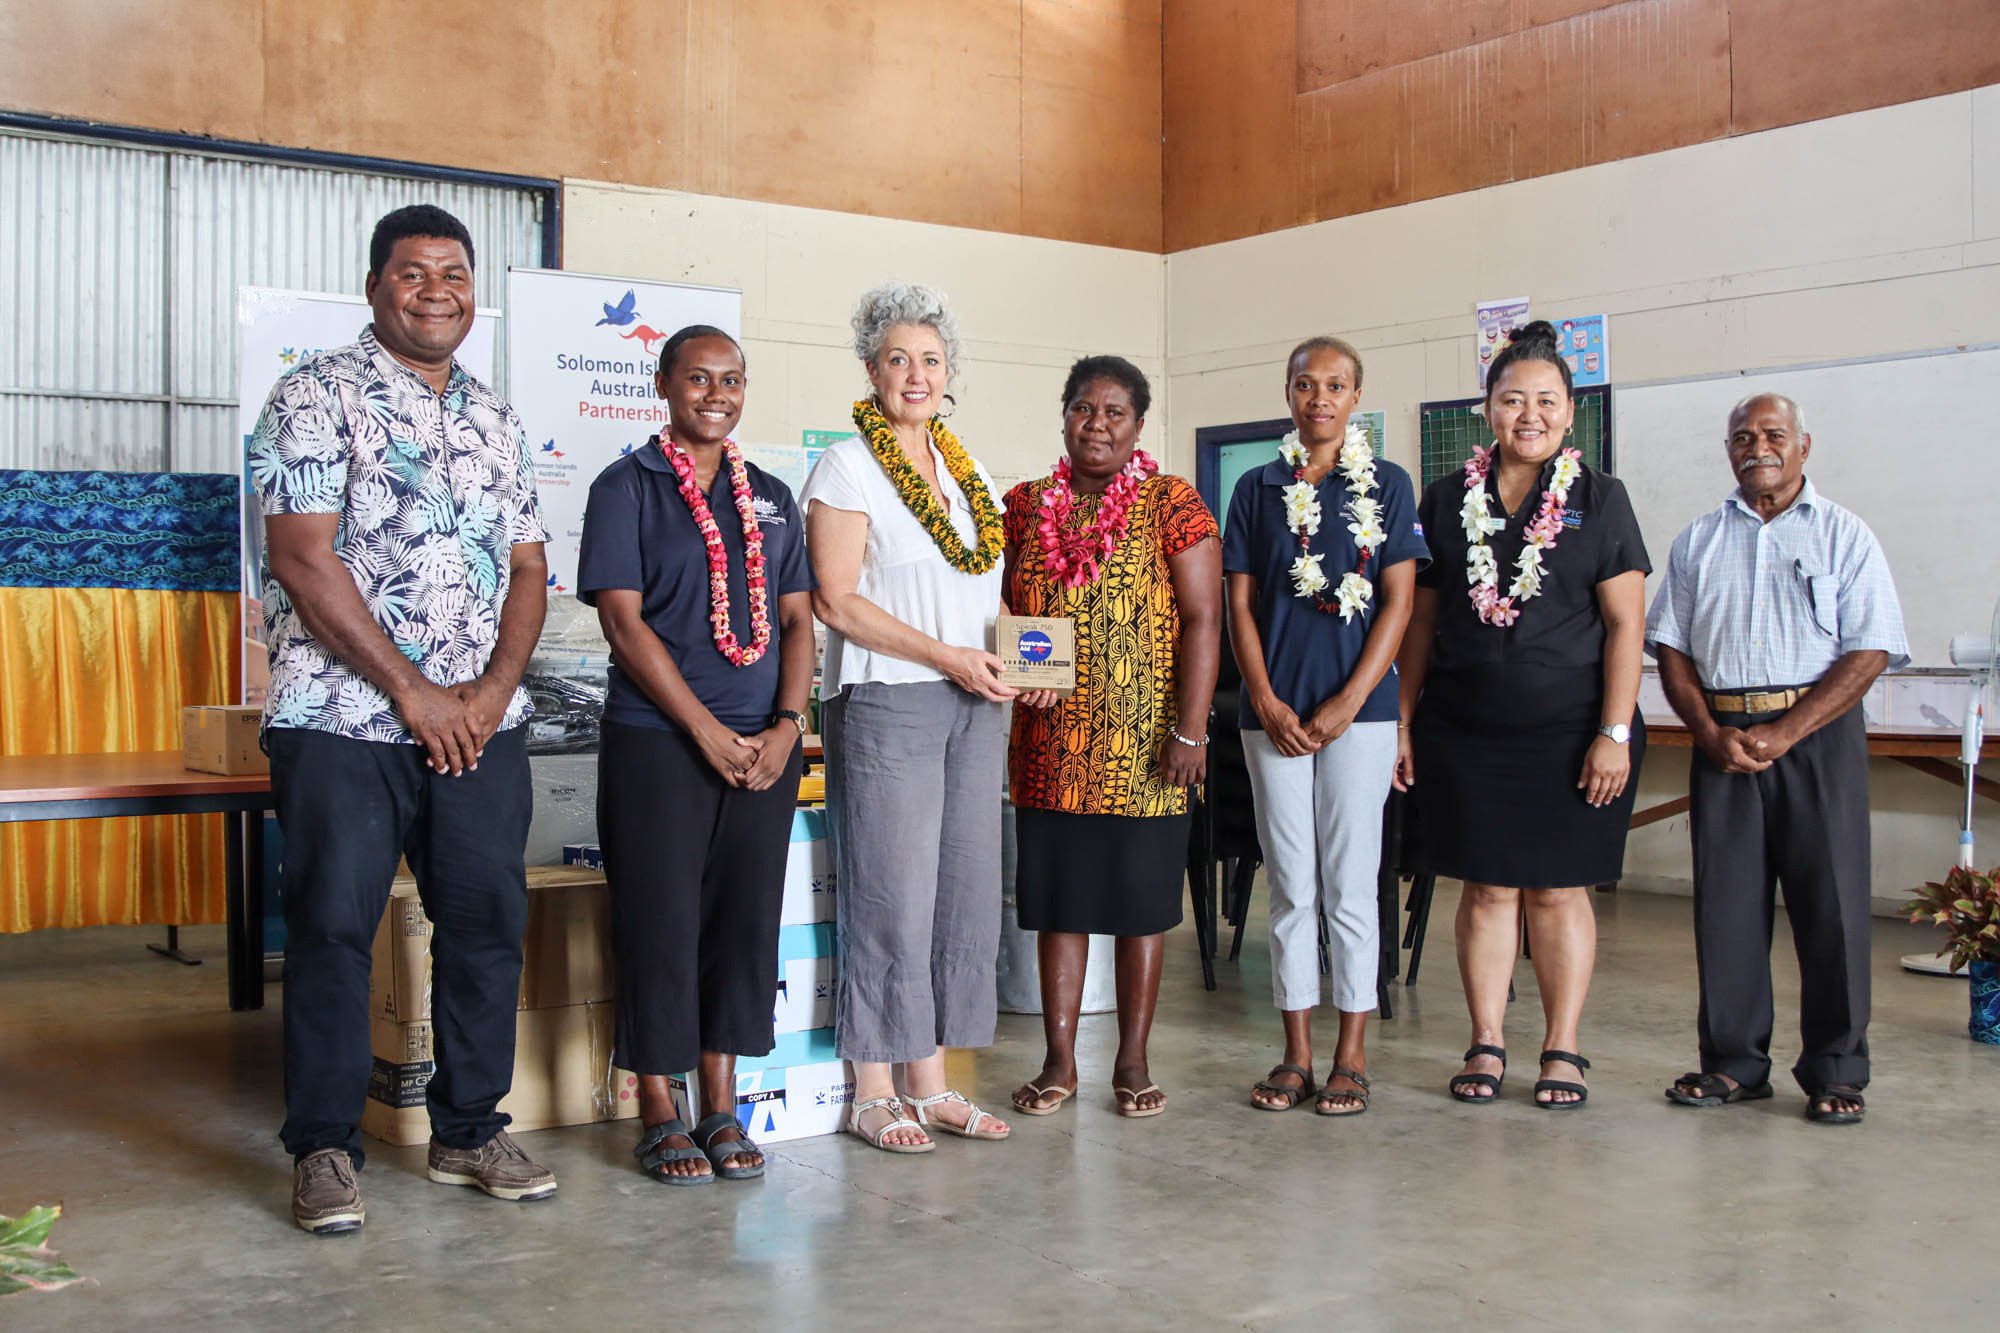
[1492,1081]
[1820,1110]
[719,1151]
[1322,1105]
[1695,1089]
[1292,1096]
[1543,1085]
[654,1156]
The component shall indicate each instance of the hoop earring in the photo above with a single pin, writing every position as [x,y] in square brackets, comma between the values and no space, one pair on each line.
[950,406]
[875,401]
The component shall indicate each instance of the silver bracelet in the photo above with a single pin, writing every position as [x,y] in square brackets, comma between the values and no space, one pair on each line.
[1175,733]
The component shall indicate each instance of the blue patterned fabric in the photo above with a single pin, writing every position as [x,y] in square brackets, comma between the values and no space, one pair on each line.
[173,531]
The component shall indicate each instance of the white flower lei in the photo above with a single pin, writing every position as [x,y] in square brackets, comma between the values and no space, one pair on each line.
[1482,570]
[1302,515]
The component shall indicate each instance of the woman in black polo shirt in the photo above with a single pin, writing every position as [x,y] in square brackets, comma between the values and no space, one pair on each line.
[695,561]
[1520,693]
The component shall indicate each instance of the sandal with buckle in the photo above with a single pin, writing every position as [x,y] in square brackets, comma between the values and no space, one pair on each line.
[1492,1081]
[1292,1096]
[879,1139]
[1820,1109]
[1552,1085]
[720,1151]
[1325,1104]
[653,1154]
[1698,1089]
[974,1117]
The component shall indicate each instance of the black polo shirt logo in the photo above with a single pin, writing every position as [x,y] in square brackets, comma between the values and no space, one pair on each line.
[767,510]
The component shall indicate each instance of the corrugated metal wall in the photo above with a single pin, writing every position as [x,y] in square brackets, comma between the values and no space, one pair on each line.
[119,269]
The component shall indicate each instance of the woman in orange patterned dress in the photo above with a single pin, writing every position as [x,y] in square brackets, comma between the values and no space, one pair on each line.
[1099,779]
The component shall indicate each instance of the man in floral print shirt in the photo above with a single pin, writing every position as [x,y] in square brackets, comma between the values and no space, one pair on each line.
[404,588]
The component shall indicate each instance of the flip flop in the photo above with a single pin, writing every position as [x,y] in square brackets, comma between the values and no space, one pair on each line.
[1135,1111]
[1029,1107]
[1292,1096]
[1714,1090]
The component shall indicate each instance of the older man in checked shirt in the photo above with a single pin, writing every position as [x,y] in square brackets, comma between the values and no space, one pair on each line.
[1776,614]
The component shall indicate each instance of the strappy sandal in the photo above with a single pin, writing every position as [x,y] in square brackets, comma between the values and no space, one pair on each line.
[1820,1109]
[1698,1089]
[1292,1096]
[1492,1081]
[720,1152]
[974,1117]
[1035,1095]
[654,1155]
[894,1106]
[1328,1095]
[1543,1085]
[1128,1102]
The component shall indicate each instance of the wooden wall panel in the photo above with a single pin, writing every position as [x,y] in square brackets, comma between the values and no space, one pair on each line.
[1799,60]
[1399,100]
[1232,154]
[1344,39]
[1090,76]
[979,113]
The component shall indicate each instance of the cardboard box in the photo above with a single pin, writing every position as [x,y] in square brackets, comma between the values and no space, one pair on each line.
[805,995]
[780,1103]
[223,740]
[811,881]
[563,1074]
[566,947]
[399,979]
[586,855]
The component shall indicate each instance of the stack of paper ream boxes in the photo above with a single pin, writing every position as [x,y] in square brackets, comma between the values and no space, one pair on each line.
[563,1073]
[801,1088]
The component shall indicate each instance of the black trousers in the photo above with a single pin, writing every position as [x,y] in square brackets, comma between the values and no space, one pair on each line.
[348,809]
[1802,823]
[697,875]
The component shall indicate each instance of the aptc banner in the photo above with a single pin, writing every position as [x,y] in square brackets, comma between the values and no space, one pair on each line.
[278,330]
[581,351]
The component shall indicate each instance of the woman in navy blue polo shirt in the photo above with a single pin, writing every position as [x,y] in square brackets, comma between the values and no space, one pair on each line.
[695,560]
[1321,551]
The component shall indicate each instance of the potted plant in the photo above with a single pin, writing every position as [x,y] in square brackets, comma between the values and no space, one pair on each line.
[1967,906]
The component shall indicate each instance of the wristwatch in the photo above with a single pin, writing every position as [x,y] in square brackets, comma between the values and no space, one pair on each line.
[1617,731]
[796,719]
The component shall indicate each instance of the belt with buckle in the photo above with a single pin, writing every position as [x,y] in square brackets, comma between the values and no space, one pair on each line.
[1758,701]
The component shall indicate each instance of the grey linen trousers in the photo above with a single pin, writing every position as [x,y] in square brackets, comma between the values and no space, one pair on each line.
[913,793]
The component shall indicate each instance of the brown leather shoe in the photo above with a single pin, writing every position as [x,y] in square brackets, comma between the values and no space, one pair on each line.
[326,1199]
[497,1166]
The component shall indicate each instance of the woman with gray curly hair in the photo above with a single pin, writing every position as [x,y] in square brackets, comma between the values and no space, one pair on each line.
[906,539]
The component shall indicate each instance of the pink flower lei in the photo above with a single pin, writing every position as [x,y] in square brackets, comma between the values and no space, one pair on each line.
[1482,571]
[1073,558]
[718,559]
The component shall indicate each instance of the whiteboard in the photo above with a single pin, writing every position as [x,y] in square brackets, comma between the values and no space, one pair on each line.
[1911,444]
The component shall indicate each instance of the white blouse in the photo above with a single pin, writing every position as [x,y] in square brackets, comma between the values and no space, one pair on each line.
[902,570]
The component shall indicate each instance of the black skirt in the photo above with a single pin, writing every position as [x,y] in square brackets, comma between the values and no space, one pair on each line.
[1098,874]
[1498,753]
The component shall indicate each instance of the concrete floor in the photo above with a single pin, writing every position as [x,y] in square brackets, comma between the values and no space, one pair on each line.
[131,1095]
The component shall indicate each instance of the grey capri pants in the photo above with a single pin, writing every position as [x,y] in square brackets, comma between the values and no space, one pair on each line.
[913,791]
